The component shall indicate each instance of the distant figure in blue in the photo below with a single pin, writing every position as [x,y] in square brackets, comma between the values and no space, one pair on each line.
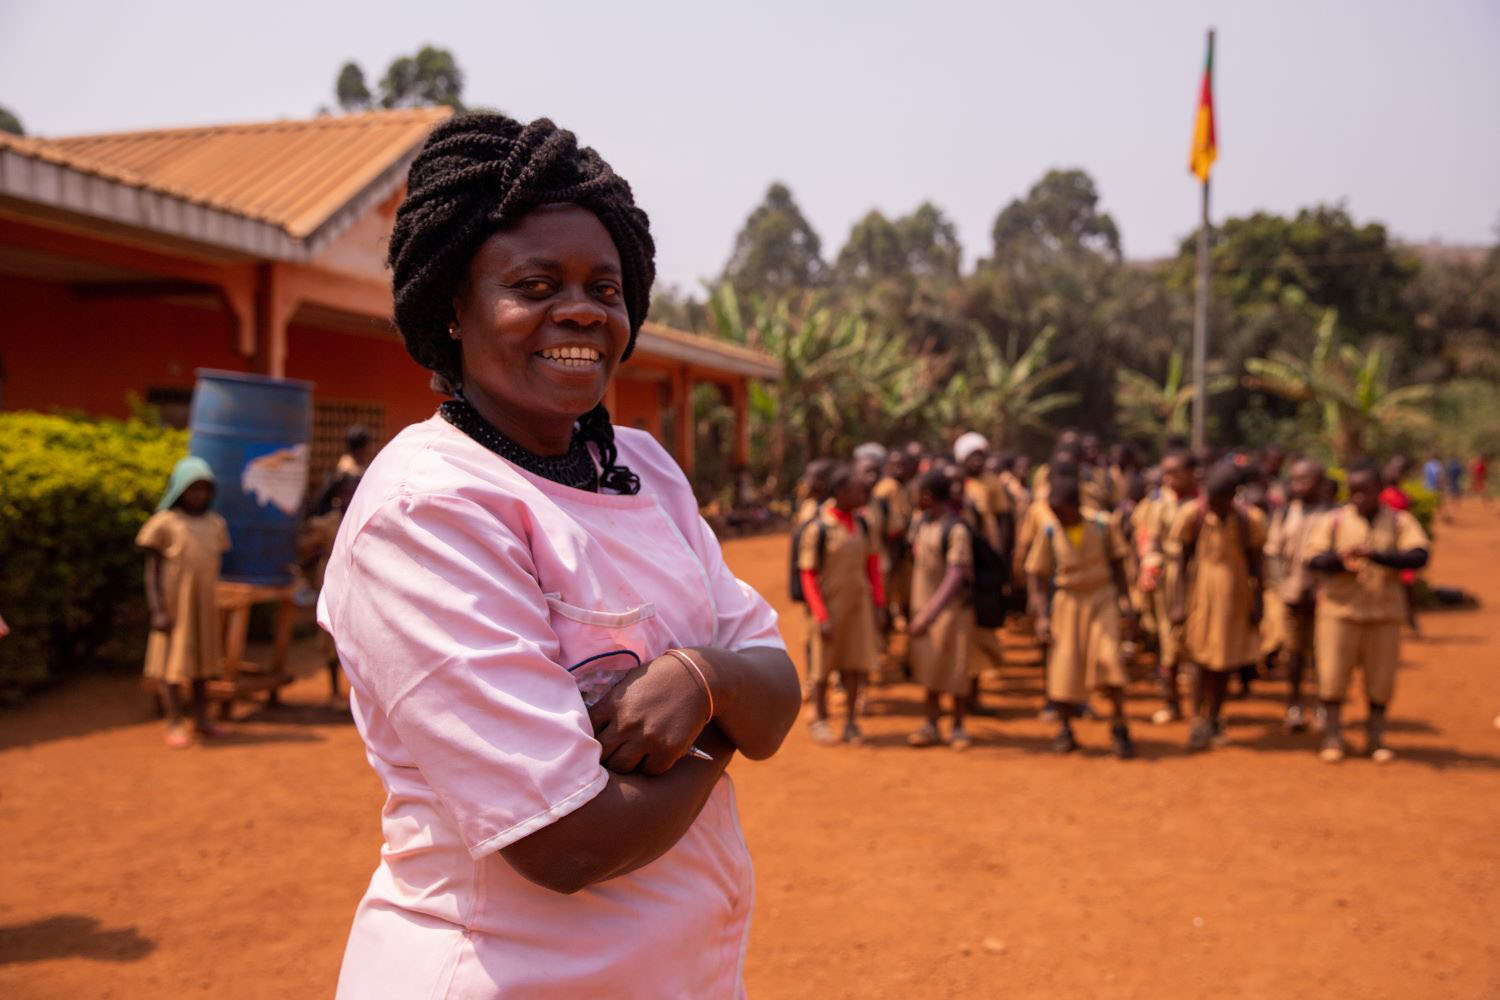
[1432,474]
[1455,477]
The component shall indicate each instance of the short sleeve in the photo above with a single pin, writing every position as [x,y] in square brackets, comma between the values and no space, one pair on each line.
[807,545]
[156,533]
[1255,526]
[1183,525]
[745,618]
[440,621]
[960,552]
[1041,561]
[1409,533]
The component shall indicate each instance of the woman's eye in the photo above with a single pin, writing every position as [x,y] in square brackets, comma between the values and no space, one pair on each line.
[609,292]
[536,286]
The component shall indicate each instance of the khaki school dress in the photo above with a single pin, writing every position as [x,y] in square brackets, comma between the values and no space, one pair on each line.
[1290,587]
[1218,634]
[1085,650]
[940,659]
[842,568]
[190,549]
[1360,614]
[1152,520]
[894,498]
[985,500]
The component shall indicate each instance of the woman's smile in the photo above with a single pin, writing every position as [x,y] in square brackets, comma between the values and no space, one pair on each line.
[574,359]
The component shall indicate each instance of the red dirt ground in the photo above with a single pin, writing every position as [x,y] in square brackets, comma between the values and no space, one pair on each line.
[232,871]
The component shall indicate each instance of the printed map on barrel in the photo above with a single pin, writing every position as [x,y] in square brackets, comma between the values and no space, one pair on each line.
[278,479]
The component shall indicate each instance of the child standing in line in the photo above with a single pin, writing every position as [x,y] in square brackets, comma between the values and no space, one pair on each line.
[892,499]
[841,579]
[1290,583]
[812,491]
[1076,570]
[1219,603]
[184,541]
[942,624]
[1152,522]
[1362,548]
[991,520]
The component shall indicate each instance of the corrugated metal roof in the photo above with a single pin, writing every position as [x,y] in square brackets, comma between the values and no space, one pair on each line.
[292,174]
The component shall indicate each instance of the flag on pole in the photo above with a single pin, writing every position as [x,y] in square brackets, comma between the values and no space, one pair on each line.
[1205,142]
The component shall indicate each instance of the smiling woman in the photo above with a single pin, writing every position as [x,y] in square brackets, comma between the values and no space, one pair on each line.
[548,659]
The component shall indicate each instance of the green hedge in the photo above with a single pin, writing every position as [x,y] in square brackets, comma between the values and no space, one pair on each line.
[73,494]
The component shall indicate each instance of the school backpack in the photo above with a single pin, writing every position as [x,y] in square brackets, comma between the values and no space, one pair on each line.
[794,574]
[991,574]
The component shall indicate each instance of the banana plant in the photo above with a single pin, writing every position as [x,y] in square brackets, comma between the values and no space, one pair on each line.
[1153,410]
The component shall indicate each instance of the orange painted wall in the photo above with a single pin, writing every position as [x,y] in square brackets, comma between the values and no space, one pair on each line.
[638,403]
[59,351]
[354,368]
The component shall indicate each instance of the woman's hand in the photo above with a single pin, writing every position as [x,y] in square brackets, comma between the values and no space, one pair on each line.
[650,719]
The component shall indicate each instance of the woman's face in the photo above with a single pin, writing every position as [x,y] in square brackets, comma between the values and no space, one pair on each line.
[542,321]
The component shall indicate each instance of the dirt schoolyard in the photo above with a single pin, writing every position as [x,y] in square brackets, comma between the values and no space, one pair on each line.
[232,870]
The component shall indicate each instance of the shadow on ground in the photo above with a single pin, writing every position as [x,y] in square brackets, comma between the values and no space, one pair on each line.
[71,935]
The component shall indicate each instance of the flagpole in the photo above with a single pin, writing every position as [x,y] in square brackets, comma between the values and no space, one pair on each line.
[1200,311]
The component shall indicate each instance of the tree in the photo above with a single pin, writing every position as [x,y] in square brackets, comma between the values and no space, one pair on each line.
[1060,214]
[930,241]
[776,251]
[874,250]
[350,89]
[1152,410]
[1005,392]
[1346,389]
[10,123]
[431,76]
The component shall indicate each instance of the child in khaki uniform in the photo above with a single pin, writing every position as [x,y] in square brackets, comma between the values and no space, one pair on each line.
[1157,581]
[841,579]
[1076,569]
[1362,548]
[942,624]
[1219,601]
[988,513]
[1292,584]
[812,491]
[184,541]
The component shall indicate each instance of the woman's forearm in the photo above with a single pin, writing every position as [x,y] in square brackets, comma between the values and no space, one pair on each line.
[634,820]
[756,695]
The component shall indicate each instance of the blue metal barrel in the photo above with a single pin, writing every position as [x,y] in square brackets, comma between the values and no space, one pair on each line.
[254,432]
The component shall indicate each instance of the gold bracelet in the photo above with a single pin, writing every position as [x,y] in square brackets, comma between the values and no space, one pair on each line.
[697,672]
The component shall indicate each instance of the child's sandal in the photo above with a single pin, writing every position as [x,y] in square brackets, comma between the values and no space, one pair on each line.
[176,739]
[927,736]
[822,733]
[959,740]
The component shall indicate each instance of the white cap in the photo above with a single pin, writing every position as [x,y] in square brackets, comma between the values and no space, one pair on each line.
[870,451]
[968,444]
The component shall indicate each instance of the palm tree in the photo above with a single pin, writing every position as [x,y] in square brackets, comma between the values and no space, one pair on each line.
[1004,389]
[1152,411]
[1349,390]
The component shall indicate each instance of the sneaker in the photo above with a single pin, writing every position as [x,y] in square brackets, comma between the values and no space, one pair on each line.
[178,738]
[1200,735]
[1064,742]
[852,735]
[1296,719]
[1124,746]
[1219,738]
[959,740]
[1048,713]
[822,733]
[1166,714]
[1382,755]
[1332,752]
[927,736]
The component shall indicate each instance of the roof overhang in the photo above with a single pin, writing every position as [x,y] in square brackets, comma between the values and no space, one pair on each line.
[705,352]
[27,177]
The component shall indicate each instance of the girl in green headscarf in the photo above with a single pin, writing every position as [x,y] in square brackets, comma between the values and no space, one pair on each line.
[184,541]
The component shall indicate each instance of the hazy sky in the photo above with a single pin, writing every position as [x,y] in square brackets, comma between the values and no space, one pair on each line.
[1392,106]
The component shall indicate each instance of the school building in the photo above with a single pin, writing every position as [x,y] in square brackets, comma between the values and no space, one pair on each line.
[129,260]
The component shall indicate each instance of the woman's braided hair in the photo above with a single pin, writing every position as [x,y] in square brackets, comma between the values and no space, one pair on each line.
[475,174]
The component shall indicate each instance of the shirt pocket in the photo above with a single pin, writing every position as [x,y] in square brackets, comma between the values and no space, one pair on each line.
[599,647]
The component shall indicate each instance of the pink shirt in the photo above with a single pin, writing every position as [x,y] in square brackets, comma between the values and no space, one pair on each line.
[459,592]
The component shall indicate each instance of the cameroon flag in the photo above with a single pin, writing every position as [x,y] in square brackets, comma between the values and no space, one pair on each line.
[1205,143]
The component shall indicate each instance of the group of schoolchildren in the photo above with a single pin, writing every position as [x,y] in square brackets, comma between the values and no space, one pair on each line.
[1221,566]
[184,541]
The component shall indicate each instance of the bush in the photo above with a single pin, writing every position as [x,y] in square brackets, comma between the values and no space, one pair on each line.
[73,494]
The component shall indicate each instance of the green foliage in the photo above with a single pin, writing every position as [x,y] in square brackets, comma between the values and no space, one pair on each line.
[10,123]
[431,76]
[777,250]
[1059,214]
[73,494]
[1348,388]
[1151,411]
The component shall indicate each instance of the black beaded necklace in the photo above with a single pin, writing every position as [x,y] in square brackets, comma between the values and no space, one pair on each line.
[575,468]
